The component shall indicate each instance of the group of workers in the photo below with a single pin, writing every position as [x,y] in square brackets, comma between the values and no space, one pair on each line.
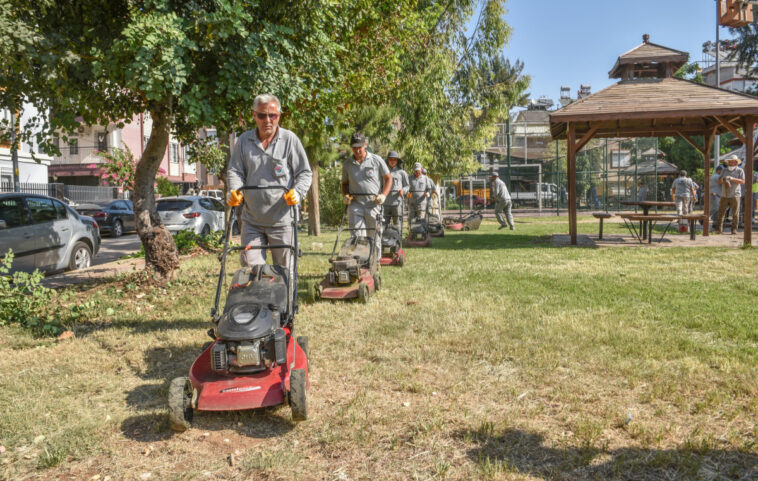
[372,190]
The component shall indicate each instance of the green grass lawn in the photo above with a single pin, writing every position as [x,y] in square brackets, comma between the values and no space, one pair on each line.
[490,355]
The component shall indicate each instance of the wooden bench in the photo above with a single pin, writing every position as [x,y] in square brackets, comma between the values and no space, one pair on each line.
[649,221]
[601,216]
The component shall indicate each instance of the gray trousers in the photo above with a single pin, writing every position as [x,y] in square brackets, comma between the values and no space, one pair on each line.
[366,221]
[416,209]
[504,206]
[392,213]
[714,209]
[253,235]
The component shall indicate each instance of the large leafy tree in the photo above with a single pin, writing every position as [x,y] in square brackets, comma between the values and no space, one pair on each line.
[187,63]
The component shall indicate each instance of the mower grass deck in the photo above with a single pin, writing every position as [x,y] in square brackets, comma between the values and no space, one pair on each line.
[217,392]
[327,290]
[397,259]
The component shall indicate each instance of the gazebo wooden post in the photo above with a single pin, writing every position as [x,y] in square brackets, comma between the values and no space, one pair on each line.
[571,164]
[709,134]
[747,216]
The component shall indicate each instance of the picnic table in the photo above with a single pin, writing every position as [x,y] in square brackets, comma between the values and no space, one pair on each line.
[646,205]
[645,221]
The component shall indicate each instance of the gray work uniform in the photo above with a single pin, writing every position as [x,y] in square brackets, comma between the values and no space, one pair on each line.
[394,202]
[503,204]
[419,188]
[682,195]
[266,218]
[715,194]
[730,197]
[364,215]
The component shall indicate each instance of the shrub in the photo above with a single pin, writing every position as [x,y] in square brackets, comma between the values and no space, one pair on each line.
[186,241]
[166,188]
[25,302]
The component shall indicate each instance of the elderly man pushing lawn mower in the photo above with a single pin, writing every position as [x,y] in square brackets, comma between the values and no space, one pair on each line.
[265,157]
[366,182]
[502,200]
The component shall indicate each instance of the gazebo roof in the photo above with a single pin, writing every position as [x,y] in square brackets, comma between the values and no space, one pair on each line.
[648,52]
[649,167]
[653,108]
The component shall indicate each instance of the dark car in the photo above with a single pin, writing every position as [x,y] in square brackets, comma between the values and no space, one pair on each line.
[114,218]
[46,234]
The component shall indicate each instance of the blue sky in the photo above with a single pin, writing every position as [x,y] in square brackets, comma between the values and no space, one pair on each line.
[564,42]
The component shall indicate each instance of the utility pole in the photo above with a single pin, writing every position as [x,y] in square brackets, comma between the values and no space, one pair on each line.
[14,153]
[717,140]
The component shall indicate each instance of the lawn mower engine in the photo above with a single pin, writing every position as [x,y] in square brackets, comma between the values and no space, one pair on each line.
[436,228]
[249,334]
[353,255]
[419,230]
[390,240]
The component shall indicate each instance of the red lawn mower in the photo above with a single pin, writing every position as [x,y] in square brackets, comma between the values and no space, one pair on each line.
[354,271]
[254,360]
[418,233]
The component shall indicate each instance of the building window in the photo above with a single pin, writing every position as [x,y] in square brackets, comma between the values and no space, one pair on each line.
[174,153]
[6,175]
[101,141]
[73,146]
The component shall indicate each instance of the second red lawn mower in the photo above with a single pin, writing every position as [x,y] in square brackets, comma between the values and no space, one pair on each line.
[436,228]
[418,233]
[354,271]
[254,360]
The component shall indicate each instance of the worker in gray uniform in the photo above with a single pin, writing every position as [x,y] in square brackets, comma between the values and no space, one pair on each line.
[400,184]
[683,190]
[265,157]
[366,182]
[500,196]
[419,193]
[715,193]
[732,179]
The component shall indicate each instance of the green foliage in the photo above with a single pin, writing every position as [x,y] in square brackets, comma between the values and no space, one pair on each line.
[25,302]
[166,188]
[187,241]
[691,71]
[746,51]
[331,195]
[207,152]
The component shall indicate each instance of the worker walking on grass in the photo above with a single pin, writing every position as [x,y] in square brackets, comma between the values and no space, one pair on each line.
[366,182]
[400,185]
[264,157]
[500,196]
[715,192]
[418,196]
[683,191]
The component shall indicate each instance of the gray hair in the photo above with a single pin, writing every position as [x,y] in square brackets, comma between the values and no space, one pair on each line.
[267,99]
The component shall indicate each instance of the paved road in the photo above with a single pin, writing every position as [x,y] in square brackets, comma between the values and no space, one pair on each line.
[114,248]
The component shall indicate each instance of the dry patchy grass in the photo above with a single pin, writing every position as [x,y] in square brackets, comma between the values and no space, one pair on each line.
[491,355]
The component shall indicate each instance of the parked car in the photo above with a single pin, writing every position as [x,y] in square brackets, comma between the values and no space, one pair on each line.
[478,201]
[46,234]
[202,215]
[114,217]
[215,193]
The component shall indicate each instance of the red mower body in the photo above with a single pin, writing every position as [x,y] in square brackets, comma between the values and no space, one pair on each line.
[397,259]
[234,392]
[424,242]
[455,226]
[327,290]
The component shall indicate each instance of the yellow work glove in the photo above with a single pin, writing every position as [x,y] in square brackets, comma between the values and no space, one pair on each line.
[235,198]
[292,198]
[346,199]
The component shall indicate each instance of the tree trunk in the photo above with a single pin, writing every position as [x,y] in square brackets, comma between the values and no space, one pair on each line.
[314,213]
[160,250]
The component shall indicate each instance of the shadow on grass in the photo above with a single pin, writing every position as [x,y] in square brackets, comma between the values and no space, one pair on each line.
[143,327]
[481,241]
[526,453]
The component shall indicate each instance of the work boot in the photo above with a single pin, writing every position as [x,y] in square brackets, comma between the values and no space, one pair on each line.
[513,228]
[501,227]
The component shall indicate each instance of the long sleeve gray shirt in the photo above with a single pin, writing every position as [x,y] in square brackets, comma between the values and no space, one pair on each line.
[500,191]
[399,182]
[420,186]
[284,163]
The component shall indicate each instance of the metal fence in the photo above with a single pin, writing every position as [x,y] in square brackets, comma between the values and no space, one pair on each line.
[74,193]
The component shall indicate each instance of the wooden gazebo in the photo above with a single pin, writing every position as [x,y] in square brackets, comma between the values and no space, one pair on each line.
[650,102]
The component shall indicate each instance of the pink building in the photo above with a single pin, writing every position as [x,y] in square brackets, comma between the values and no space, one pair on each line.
[77,164]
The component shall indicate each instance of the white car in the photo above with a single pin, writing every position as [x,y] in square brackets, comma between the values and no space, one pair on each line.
[201,215]
[215,193]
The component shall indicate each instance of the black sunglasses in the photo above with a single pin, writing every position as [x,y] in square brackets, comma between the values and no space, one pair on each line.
[262,116]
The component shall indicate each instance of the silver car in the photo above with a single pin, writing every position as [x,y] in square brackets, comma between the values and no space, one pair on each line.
[201,215]
[46,234]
